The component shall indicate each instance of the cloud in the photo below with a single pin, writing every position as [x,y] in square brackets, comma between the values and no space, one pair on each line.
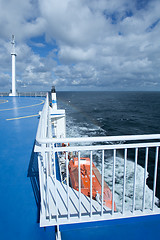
[69,54]
[95,44]
[20,18]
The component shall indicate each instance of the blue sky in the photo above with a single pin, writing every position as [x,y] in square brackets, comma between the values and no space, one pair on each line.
[81,44]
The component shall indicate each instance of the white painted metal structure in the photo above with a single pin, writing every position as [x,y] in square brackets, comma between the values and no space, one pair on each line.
[60,204]
[13,54]
[54,98]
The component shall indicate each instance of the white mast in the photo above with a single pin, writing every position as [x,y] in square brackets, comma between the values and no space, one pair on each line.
[13,54]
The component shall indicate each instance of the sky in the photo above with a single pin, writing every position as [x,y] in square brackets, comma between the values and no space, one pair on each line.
[77,45]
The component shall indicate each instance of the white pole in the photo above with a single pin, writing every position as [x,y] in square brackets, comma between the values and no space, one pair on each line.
[13,54]
[13,75]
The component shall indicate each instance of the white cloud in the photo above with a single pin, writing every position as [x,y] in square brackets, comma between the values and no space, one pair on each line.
[110,44]
[18,17]
[71,22]
[77,54]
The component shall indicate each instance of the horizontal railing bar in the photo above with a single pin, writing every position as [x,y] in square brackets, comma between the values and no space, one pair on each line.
[99,139]
[101,147]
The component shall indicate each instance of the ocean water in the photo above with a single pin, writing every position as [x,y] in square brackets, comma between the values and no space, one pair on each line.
[112,114]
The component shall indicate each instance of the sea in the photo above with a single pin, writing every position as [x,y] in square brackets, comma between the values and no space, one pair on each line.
[91,114]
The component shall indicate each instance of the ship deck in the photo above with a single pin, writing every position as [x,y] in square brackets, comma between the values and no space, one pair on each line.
[19,185]
[18,201]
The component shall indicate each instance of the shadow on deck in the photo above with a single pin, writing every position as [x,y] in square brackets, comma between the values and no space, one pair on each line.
[33,174]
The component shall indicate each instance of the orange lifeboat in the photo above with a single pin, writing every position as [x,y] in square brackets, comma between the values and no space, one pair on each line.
[85,181]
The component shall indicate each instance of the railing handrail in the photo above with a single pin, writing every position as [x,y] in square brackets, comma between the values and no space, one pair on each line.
[101,147]
[41,131]
[99,139]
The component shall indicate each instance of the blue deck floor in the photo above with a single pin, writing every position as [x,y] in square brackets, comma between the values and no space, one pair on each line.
[18,208]
[137,228]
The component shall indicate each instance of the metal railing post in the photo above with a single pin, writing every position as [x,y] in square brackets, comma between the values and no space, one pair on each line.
[124,180]
[55,183]
[155,178]
[102,187]
[145,178]
[134,184]
[79,183]
[67,181]
[113,179]
[91,177]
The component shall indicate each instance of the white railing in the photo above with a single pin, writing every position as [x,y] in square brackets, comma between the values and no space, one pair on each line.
[42,132]
[106,148]
[44,159]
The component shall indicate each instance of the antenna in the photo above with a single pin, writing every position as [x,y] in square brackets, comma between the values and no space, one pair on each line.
[13,39]
[13,45]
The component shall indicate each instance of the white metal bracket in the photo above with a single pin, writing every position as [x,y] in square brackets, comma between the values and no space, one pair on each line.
[58,233]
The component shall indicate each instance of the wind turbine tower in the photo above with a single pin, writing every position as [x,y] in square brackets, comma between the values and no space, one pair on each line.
[13,54]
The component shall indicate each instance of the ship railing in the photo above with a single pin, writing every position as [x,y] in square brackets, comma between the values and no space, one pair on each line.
[138,146]
[61,204]
[44,131]
[26,94]
[43,125]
